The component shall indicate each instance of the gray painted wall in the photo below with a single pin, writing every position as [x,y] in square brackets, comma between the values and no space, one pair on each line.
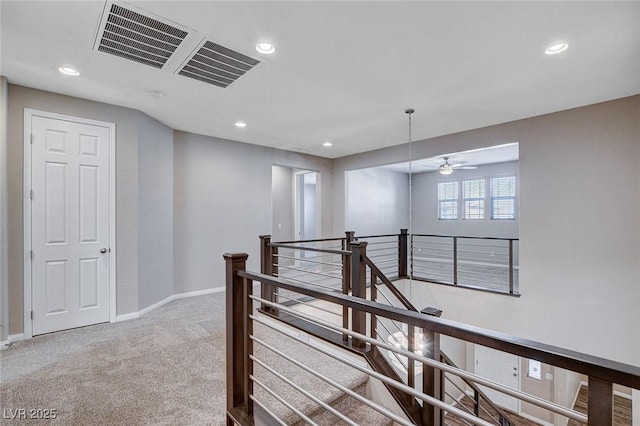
[377,201]
[155,212]
[222,202]
[425,204]
[579,228]
[4,225]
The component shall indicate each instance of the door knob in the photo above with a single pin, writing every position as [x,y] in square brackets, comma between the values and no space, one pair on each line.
[103,250]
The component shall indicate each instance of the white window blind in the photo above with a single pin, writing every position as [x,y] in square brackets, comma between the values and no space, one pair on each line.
[503,197]
[473,193]
[448,200]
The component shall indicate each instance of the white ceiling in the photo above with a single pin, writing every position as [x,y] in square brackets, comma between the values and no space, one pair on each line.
[344,71]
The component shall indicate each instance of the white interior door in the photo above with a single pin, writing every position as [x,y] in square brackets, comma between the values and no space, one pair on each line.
[500,367]
[69,224]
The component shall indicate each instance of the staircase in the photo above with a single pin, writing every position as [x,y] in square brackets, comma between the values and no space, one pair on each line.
[330,396]
[350,407]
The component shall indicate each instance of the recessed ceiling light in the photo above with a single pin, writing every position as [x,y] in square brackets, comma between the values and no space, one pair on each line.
[327,143]
[265,47]
[556,48]
[67,70]
[241,124]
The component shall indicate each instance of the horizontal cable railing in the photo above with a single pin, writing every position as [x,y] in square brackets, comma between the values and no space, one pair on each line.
[384,250]
[486,263]
[427,369]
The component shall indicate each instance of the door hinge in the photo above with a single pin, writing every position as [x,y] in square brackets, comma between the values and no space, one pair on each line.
[31,138]
[32,315]
[31,194]
[31,254]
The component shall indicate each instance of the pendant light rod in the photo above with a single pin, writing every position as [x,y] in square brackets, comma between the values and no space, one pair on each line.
[410,111]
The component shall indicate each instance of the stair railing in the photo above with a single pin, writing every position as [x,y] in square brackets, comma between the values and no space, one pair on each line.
[478,395]
[602,373]
[376,274]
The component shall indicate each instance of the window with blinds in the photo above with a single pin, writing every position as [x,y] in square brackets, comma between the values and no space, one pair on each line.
[473,198]
[448,200]
[503,197]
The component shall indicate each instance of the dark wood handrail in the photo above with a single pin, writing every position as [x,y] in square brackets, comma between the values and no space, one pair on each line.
[604,369]
[321,240]
[405,302]
[344,252]
[375,236]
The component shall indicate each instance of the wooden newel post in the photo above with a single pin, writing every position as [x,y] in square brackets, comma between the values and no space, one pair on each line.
[403,249]
[359,289]
[266,267]
[239,345]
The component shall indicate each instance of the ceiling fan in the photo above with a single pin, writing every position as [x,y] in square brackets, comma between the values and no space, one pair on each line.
[447,168]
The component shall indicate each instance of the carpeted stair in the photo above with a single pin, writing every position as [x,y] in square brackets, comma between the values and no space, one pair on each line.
[324,364]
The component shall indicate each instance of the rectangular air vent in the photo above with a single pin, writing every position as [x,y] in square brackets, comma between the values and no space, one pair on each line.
[217,65]
[134,36]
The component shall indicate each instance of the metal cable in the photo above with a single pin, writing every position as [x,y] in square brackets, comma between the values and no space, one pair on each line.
[424,397]
[269,412]
[433,363]
[309,304]
[302,390]
[335,384]
[282,401]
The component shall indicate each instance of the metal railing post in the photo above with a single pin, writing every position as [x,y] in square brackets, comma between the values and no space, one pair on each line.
[238,329]
[374,295]
[600,405]
[266,267]
[346,278]
[411,363]
[346,267]
[455,260]
[476,403]
[510,266]
[432,378]
[359,289]
[402,253]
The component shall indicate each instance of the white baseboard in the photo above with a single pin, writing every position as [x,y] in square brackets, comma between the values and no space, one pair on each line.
[144,311]
[11,339]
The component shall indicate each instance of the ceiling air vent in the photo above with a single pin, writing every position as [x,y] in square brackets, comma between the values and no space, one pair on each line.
[134,36]
[217,65]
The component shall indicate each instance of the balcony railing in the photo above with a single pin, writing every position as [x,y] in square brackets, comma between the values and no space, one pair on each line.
[363,326]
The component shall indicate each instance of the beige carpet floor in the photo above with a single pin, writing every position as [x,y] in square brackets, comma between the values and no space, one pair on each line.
[166,368]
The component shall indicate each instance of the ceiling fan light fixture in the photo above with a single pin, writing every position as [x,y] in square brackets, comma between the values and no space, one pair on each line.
[446,169]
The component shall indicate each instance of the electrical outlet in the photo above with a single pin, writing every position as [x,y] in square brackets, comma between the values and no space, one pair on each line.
[279,226]
[548,376]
